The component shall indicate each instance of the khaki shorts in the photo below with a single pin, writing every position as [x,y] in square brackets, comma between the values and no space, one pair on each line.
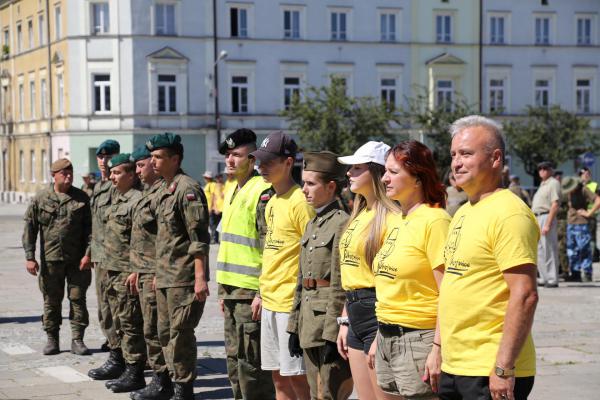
[400,363]
[274,353]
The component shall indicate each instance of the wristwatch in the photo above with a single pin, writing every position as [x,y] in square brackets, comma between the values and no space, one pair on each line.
[502,372]
[343,321]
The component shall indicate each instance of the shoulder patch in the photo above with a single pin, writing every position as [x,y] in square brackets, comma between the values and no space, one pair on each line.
[265,197]
[190,196]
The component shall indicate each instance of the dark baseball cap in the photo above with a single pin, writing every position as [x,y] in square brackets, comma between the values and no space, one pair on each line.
[545,165]
[277,144]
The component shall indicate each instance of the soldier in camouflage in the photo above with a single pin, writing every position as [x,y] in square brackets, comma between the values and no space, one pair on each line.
[143,263]
[182,245]
[62,217]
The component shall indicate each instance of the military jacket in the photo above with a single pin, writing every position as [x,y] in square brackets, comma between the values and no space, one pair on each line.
[118,220]
[315,311]
[143,231]
[182,235]
[64,223]
[100,201]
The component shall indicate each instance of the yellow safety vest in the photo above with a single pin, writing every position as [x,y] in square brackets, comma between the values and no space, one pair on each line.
[240,254]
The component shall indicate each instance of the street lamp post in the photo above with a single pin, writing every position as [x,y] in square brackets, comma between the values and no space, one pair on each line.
[222,56]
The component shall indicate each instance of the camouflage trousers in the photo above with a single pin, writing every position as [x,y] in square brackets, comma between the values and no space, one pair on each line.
[178,314]
[562,247]
[156,359]
[242,346]
[104,315]
[330,381]
[52,285]
[579,249]
[127,317]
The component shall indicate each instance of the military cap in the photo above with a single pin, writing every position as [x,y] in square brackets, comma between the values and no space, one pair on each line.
[277,144]
[141,153]
[119,159]
[108,147]
[61,164]
[545,165]
[167,139]
[324,161]
[237,138]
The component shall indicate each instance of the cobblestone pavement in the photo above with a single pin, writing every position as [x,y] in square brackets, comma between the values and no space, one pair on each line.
[566,333]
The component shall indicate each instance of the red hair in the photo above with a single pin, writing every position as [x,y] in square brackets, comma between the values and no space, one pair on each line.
[417,160]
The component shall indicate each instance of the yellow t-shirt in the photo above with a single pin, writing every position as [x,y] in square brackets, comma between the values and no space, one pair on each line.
[218,196]
[287,216]
[209,189]
[497,233]
[356,273]
[407,293]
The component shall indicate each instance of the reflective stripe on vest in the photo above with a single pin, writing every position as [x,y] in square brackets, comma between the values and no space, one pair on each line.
[239,260]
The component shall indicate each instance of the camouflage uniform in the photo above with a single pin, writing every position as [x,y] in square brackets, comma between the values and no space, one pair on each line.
[143,257]
[100,202]
[124,306]
[63,221]
[318,301]
[182,235]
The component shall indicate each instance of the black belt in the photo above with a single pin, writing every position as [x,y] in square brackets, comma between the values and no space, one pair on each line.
[394,330]
[360,294]
[541,213]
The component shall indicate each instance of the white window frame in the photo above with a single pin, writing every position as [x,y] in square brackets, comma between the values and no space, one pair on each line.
[57,22]
[19,37]
[590,74]
[241,88]
[342,71]
[248,10]
[386,90]
[446,92]
[21,166]
[44,98]
[45,166]
[386,35]
[60,93]
[301,31]
[583,90]
[104,87]
[41,29]
[339,35]
[32,98]
[101,27]
[497,95]
[593,29]
[166,86]
[390,72]
[292,88]
[538,39]
[444,37]
[246,69]
[32,166]
[539,90]
[30,34]
[506,16]
[164,24]
[503,74]
[21,94]
[541,74]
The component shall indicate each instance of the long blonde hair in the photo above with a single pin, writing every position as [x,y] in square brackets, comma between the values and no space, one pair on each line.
[382,206]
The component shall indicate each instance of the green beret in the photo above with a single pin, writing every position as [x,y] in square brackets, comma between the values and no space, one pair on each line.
[119,159]
[141,153]
[163,140]
[324,161]
[108,147]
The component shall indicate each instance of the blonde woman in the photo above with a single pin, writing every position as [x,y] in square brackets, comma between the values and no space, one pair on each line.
[359,244]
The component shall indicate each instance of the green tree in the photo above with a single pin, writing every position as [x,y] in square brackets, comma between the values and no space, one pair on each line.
[434,123]
[548,134]
[327,119]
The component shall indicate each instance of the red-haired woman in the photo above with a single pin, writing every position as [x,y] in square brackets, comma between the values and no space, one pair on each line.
[408,272]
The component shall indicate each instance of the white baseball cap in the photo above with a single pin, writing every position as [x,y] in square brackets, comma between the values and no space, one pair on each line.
[369,152]
[208,174]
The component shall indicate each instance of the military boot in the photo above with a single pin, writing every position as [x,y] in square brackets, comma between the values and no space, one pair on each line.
[79,348]
[159,388]
[52,346]
[111,369]
[132,379]
[105,347]
[183,391]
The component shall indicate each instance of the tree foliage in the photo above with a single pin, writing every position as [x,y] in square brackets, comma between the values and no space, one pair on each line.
[548,134]
[327,119]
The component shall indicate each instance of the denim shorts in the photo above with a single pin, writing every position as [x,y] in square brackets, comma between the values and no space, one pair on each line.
[360,307]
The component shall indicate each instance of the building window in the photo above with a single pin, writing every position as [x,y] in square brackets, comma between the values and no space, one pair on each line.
[100,18]
[44,98]
[542,92]
[57,23]
[41,30]
[443,28]
[21,166]
[338,25]
[30,33]
[291,24]
[542,30]
[496,95]
[45,167]
[164,17]
[6,38]
[21,102]
[32,166]
[291,90]
[19,38]
[167,93]
[239,22]
[32,99]
[61,94]
[584,31]
[102,93]
[388,92]
[583,94]
[387,23]
[239,94]
[444,94]
[497,30]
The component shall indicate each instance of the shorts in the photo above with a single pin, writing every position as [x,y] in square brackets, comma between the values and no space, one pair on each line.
[478,387]
[360,307]
[274,338]
[400,361]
